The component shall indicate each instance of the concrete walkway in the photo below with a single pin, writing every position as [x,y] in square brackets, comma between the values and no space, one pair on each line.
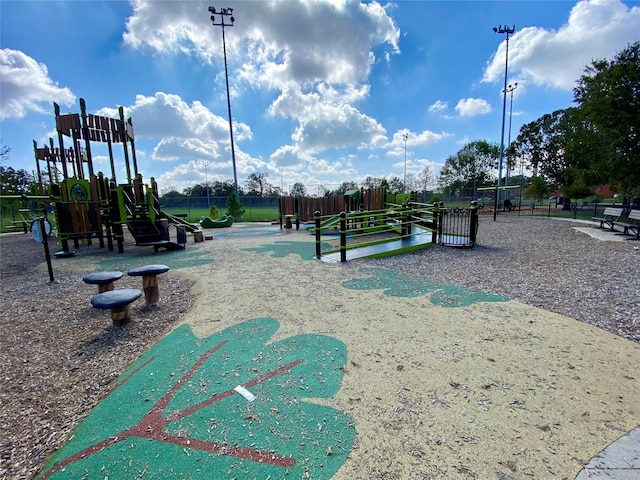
[620,460]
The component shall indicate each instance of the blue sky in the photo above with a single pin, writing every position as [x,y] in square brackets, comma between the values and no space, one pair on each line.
[322,92]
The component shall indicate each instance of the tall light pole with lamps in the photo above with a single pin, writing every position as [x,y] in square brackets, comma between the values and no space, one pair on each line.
[507,31]
[281,181]
[205,164]
[224,14]
[510,90]
[405,137]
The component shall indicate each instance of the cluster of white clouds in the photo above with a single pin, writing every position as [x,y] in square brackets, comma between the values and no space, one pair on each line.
[316,58]
[26,86]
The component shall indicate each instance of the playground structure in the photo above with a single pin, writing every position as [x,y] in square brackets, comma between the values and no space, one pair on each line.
[90,205]
[371,223]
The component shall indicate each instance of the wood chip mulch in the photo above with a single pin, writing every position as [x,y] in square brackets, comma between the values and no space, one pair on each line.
[60,356]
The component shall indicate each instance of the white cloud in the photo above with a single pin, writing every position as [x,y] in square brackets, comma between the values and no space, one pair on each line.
[167,115]
[189,133]
[317,53]
[426,137]
[438,106]
[325,122]
[279,42]
[171,148]
[595,29]
[470,107]
[26,86]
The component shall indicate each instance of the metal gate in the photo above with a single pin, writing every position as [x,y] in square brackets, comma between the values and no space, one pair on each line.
[457,227]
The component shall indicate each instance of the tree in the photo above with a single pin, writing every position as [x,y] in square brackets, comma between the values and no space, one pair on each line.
[472,166]
[16,182]
[257,184]
[298,190]
[322,191]
[538,188]
[608,94]
[565,150]
[222,189]
[395,185]
[425,177]
[171,191]
[345,187]
[234,207]
[5,153]
[198,190]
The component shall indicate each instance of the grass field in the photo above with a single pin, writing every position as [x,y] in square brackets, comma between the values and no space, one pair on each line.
[250,214]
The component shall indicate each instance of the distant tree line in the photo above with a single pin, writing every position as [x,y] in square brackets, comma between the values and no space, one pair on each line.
[257,185]
[574,149]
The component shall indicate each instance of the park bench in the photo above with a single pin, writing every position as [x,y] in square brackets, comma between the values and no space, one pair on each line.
[632,224]
[117,301]
[609,217]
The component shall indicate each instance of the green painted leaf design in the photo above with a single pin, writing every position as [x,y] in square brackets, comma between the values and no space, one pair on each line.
[175,413]
[398,285]
[280,249]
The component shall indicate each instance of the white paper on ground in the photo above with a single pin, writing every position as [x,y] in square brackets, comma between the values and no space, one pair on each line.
[245,393]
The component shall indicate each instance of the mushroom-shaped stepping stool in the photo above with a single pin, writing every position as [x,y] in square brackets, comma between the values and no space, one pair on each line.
[149,274]
[118,302]
[104,280]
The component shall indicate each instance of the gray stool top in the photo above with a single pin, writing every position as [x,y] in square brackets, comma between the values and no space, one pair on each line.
[148,270]
[116,298]
[99,278]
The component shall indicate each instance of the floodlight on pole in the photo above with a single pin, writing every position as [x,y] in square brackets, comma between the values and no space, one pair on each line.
[224,15]
[405,137]
[507,31]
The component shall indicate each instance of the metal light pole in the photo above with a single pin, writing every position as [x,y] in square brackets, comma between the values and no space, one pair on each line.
[206,182]
[507,31]
[281,181]
[224,13]
[405,137]
[510,90]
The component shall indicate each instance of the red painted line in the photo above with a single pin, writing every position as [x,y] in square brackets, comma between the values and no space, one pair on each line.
[221,396]
[164,401]
[126,379]
[152,425]
[220,448]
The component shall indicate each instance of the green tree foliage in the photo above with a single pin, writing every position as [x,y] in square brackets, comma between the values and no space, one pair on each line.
[171,192]
[609,96]
[564,149]
[5,153]
[395,185]
[472,166]
[222,189]
[257,185]
[538,188]
[298,190]
[16,182]
[198,190]
[234,208]
[425,177]
[344,188]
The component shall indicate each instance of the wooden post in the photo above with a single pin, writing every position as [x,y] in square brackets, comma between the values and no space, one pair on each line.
[85,134]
